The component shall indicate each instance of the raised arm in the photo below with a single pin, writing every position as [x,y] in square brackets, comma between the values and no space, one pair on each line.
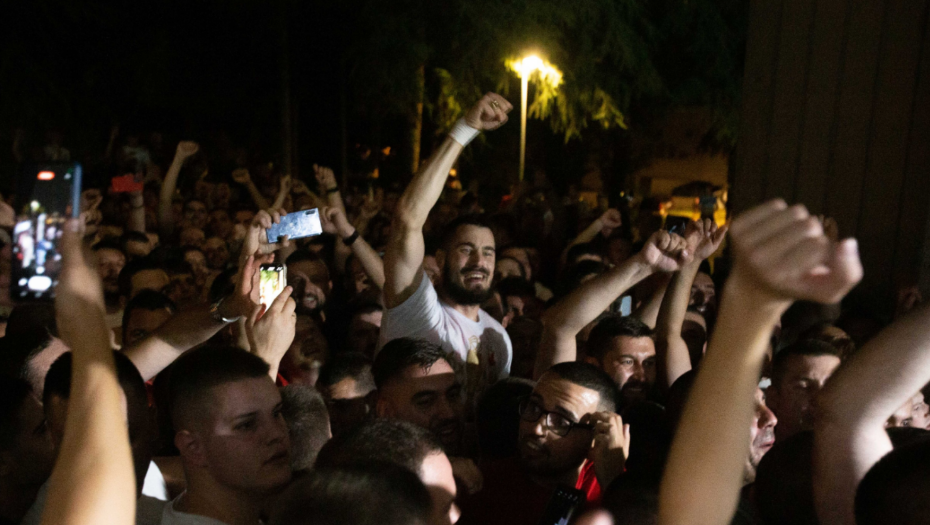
[849,434]
[284,189]
[704,237]
[242,176]
[136,212]
[781,254]
[329,187]
[404,257]
[561,323]
[609,220]
[193,327]
[93,480]
[335,222]
[185,150]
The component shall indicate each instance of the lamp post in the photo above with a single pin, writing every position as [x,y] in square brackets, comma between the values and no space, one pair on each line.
[525,68]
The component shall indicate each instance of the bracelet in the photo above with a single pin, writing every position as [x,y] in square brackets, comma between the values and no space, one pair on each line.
[463,133]
[332,190]
[348,241]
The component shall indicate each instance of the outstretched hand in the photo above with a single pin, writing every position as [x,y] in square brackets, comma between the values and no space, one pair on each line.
[704,237]
[611,219]
[271,330]
[256,240]
[334,221]
[784,251]
[666,252]
[241,175]
[79,294]
[489,113]
[248,288]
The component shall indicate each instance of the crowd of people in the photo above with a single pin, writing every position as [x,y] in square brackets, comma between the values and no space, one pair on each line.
[434,360]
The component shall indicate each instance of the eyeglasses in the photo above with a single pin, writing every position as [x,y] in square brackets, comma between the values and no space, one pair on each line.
[556,423]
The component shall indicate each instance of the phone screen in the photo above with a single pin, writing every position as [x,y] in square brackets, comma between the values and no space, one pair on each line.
[296,225]
[562,506]
[48,195]
[272,281]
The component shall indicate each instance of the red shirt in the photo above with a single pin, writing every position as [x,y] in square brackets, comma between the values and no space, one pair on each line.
[510,497]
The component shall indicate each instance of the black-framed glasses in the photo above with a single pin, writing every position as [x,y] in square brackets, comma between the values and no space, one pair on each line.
[530,411]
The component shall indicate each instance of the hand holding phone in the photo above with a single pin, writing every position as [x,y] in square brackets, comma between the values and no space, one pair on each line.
[272,280]
[296,225]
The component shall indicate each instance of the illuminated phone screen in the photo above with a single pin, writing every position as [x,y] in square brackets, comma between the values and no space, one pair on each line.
[273,279]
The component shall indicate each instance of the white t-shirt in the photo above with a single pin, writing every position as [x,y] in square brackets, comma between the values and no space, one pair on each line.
[483,346]
[148,510]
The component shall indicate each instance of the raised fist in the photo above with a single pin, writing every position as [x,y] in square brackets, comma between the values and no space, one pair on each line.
[186,148]
[334,221]
[325,177]
[666,252]
[611,219]
[704,237]
[489,113]
[784,252]
[241,176]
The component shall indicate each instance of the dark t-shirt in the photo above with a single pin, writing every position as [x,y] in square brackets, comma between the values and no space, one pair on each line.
[510,497]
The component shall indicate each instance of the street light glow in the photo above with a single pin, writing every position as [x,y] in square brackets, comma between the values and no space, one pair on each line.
[532,63]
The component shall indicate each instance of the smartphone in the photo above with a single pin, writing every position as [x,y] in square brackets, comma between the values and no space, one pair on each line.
[127,183]
[296,225]
[676,224]
[562,506]
[272,281]
[47,195]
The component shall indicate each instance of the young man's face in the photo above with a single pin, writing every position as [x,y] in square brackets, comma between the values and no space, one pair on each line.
[792,397]
[109,263]
[543,452]
[468,265]
[631,363]
[430,398]
[143,322]
[762,435]
[244,439]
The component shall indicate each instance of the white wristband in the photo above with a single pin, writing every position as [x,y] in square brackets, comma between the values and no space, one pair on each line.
[463,133]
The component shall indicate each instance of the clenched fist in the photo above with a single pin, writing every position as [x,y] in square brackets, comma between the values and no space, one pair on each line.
[489,113]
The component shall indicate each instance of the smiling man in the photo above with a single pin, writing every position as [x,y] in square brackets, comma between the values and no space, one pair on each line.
[448,315]
[233,440]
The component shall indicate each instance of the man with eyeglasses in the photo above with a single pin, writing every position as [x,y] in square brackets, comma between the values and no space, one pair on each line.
[569,437]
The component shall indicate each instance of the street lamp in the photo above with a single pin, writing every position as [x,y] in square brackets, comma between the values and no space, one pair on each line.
[525,68]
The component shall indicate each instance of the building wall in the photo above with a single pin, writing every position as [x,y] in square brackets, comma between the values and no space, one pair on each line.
[836,115]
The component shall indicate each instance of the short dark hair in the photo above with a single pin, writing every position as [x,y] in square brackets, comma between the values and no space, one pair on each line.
[496,417]
[807,347]
[516,287]
[13,393]
[373,494]
[575,274]
[147,300]
[132,268]
[784,482]
[349,364]
[31,317]
[451,229]
[109,244]
[307,423]
[58,380]
[17,351]
[894,490]
[585,248]
[132,236]
[389,440]
[591,377]
[195,373]
[400,353]
[604,332]
[519,265]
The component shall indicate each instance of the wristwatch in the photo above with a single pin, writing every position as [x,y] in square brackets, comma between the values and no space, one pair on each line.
[218,317]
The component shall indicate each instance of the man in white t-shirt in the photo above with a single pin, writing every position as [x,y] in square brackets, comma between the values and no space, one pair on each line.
[448,315]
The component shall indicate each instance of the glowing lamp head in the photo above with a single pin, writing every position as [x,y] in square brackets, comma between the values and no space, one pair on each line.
[46,175]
